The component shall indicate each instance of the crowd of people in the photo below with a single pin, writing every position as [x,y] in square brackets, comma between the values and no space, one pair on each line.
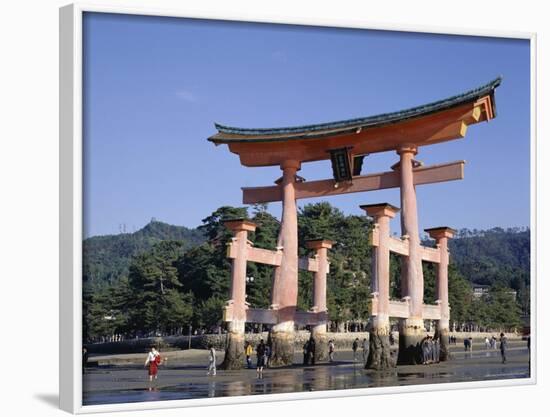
[430,350]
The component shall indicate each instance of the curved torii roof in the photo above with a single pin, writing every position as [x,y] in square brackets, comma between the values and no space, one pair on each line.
[427,124]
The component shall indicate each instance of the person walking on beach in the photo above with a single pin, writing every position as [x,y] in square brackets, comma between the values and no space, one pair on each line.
[311,351]
[503,347]
[248,352]
[260,358]
[305,351]
[487,343]
[268,353]
[354,347]
[425,350]
[331,351]
[84,359]
[152,363]
[211,360]
[365,350]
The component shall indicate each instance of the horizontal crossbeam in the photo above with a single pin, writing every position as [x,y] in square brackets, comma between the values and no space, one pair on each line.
[401,309]
[264,256]
[401,247]
[270,257]
[270,316]
[391,179]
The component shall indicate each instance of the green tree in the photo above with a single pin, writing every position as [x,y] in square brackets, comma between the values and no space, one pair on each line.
[213,227]
[348,283]
[503,312]
[265,237]
[460,296]
[157,304]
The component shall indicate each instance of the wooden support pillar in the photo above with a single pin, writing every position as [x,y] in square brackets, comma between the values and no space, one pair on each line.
[441,236]
[319,331]
[285,280]
[236,306]
[379,343]
[411,329]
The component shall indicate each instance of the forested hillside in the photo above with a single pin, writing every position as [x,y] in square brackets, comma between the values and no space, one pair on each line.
[488,256]
[495,257]
[107,258]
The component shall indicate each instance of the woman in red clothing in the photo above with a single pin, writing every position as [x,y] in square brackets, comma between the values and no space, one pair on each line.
[152,362]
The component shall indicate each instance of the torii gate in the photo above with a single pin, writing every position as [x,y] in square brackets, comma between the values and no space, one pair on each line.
[346,143]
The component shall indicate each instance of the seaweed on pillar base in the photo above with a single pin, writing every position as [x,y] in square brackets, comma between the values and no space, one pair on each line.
[380,353]
[411,333]
[443,336]
[234,351]
[319,334]
[281,339]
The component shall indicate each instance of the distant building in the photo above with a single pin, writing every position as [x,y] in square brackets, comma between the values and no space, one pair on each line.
[480,290]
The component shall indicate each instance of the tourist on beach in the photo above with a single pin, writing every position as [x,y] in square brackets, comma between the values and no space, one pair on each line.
[211,360]
[260,357]
[471,343]
[305,351]
[466,342]
[487,343]
[365,350]
[430,350]
[152,362]
[268,353]
[84,359]
[503,347]
[425,350]
[248,352]
[311,351]
[494,341]
[331,351]
[354,347]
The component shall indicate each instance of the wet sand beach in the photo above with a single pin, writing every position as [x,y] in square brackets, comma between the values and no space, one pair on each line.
[184,375]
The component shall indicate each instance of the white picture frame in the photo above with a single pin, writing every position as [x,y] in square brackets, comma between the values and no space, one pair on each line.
[71,233]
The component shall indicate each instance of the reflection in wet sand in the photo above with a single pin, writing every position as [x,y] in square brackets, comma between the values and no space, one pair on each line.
[477,366]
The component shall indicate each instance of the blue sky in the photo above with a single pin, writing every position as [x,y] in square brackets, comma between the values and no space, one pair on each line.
[153,88]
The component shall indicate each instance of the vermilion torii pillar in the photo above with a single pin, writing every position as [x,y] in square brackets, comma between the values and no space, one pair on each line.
[234,354]
[285,277]
[411,330]
[319,331]
[441,236]
[379,342]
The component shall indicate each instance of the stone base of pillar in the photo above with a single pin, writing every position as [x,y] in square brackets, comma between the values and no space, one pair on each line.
[319,334]
[443,336]
[380,352]
[234,351]
[282,345]
[411,333]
